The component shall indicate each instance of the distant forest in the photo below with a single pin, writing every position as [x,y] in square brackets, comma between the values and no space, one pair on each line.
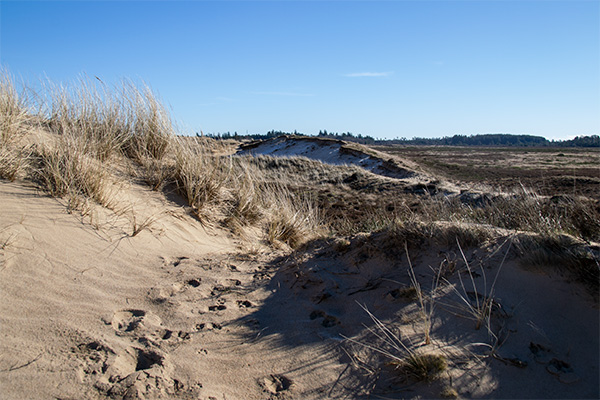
[499,139]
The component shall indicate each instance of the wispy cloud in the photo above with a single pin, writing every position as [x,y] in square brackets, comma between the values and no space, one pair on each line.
[284,94]
[369,74]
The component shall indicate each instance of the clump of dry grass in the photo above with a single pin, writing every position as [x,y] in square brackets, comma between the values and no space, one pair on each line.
[201,178]
[127,119]
[149,124]
[293,218]
[410,362]
[524,210]
[88,110]
[67,170]
[233,191]
[426,301]
[563,253]
[92,124]
[476,303]
[15,110]
[422,367]
[14,162]
[246,201]
[15,116]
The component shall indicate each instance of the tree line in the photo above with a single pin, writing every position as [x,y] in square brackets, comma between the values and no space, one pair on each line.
[497,139]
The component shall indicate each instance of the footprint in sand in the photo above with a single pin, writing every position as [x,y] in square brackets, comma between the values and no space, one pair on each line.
[244,304]
[135,359]
[194,282]
[209,326]
[139,373]
[328,320]
[541,353]
[562,370]
[559,368]
[135,322]
[94,356]
[127,320]
[174,262]
[276,384]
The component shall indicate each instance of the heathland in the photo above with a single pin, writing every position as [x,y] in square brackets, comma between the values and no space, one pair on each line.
[138,262]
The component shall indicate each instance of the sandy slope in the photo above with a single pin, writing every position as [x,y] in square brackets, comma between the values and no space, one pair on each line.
[178,311]
[336,152]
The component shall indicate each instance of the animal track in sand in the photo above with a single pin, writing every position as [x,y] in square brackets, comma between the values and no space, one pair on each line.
[328,320]
[127,320]
[134,359]
[244,304]
[194,282]
[94,357]
[174,262]
[209,326]
[276,384]
[559,368]
[140,373]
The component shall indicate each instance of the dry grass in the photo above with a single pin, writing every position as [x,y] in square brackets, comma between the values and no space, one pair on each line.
[14,162]
[67,170]
[523,210]
[15,110]
[422,367]
[90,124]
[15,118]
[293,220]
[409,361]
[127,119]
[426,301]
[94,125]
[476,303]
[246,201]
[563,253]
[233,191]
[201,178]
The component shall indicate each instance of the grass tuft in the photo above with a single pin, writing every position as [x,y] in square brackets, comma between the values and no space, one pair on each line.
[293,219]
[67,170]
[422,367]
[562,253]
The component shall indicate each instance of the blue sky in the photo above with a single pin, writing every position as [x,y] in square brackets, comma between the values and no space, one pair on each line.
[386,69]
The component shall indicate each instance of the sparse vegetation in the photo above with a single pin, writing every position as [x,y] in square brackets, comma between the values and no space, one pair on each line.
[426,301]
[562,253]
[94,128]
[15,116]
[67,170]
[422,367]
[409,361]
[476,303]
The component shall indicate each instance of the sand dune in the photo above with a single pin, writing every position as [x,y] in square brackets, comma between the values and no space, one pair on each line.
[90,312]
[336,152]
